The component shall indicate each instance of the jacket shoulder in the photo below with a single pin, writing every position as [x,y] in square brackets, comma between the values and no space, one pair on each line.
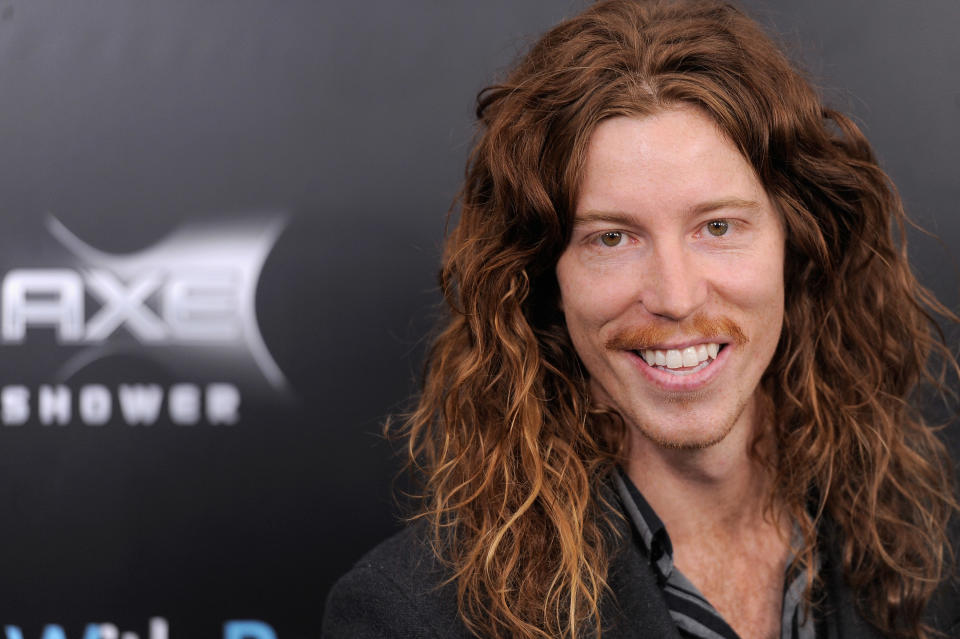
[395,591]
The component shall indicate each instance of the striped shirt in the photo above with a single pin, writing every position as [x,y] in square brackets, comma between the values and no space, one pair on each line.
[695,617]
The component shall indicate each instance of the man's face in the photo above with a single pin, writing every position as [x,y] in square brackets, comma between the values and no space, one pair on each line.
[676,258]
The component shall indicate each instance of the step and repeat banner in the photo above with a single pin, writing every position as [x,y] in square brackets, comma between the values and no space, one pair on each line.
[221,223]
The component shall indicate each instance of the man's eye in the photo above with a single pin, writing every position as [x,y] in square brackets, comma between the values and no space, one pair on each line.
[718,227]
[612,238]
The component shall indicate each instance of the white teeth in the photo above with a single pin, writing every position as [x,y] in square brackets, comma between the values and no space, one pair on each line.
[675,358]
[701,353]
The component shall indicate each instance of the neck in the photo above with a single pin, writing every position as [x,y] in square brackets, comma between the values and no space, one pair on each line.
[723,488]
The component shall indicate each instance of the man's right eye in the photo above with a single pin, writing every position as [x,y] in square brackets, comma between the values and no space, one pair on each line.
[612,238]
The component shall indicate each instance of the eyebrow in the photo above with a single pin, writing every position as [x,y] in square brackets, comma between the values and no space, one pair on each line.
[725,203]
[617,217]
[621,219]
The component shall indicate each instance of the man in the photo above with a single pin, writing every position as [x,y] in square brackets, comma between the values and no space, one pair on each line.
[673,395]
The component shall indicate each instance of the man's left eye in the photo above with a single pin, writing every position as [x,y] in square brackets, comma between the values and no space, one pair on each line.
[612,238]
[718,227]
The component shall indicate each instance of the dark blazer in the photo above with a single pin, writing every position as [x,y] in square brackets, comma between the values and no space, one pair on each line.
[394,592]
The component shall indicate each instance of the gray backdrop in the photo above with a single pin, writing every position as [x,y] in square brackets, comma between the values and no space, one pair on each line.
[164,160]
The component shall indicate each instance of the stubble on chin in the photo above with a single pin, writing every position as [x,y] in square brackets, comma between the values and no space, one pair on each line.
[691,443]
[672,440]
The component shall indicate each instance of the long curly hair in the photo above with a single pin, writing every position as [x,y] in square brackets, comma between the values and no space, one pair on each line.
[509,446]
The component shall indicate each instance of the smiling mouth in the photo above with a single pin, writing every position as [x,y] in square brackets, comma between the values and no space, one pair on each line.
[681,361]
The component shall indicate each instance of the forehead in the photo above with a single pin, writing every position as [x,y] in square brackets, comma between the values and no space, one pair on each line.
[672,160]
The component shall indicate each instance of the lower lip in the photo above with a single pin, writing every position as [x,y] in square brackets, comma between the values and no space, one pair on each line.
[685,382]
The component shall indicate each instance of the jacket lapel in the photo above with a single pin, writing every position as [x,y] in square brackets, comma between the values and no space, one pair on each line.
[636,609]
[843,620]
[846,622]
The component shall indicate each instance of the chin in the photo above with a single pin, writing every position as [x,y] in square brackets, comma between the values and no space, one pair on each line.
[684,439]
[686,428]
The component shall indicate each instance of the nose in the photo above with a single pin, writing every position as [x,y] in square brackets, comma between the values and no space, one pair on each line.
[673,283]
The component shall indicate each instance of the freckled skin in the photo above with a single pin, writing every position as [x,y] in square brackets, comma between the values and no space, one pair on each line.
[742,577]
[647,256]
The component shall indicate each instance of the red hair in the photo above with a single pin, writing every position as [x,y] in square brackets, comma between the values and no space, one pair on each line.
[509,446]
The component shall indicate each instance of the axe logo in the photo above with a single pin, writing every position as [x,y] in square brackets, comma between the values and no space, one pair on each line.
[187,303]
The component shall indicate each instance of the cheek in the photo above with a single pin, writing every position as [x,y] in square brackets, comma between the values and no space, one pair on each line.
[763,290]
[581,304]
[588,303]
[759,284]
[753,296]
[763,295]
[761,305]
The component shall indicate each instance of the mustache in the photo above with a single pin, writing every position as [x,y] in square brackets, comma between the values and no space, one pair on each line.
[700,326]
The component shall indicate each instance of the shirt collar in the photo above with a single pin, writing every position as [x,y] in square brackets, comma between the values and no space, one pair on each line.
[652,532]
